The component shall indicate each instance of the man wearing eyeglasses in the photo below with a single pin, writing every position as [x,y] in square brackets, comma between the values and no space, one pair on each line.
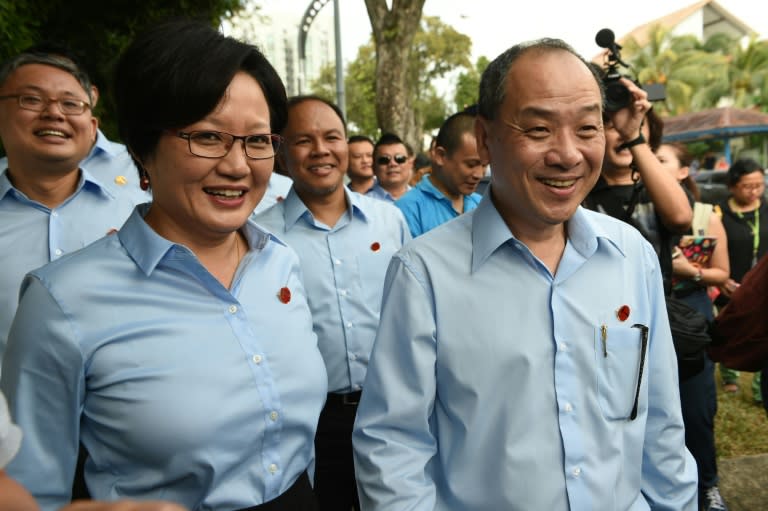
[107,160]
[50,203]
[392,167]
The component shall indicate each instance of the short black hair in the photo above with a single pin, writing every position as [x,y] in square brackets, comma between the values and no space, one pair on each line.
[742,167]
[453,130]
[47,55]
[297,100]
[359,138]
[388,139]
[655,129]
[176,73]
[494,79]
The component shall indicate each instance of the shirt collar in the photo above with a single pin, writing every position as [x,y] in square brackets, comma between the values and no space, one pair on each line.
[103,145]
[86,181]
[427,186]
[147,248]
[294,208]
[489,232]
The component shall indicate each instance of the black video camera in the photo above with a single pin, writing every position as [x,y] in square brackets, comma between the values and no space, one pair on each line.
[617,96]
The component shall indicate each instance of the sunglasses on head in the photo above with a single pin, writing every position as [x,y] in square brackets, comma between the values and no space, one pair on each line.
[385,159]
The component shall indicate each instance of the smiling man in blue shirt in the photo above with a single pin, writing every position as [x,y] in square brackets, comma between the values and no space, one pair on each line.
[524,359]
[50,203]
[344,241]
[449,190]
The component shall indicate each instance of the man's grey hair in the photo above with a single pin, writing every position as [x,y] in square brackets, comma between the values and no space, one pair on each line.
[494,80]
[47,59]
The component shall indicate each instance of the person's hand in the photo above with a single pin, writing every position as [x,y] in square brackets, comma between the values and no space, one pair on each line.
[729,287]
[123,505]
[683,268]
[627,121]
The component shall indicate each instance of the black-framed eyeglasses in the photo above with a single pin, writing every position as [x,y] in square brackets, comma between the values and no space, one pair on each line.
[643,346]
[217,144]
[385,159]
[35,103]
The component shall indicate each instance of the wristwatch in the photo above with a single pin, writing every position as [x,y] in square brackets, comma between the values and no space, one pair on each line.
[697,277]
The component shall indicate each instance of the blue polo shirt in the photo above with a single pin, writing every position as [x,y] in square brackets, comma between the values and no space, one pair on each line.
[425,207]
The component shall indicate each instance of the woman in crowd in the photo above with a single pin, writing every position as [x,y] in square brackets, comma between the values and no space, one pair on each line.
[745,217]
[179,352]
[695,267]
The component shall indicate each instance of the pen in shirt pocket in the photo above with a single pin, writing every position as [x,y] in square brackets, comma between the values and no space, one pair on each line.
[604,339]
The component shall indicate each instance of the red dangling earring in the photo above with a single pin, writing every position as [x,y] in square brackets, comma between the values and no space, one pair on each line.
[144,181]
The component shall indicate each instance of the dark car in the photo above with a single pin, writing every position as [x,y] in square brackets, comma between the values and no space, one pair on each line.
[712,185]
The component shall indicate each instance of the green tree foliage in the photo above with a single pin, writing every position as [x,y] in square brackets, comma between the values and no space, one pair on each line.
[437,51]
[748,74]
[702,74]
[360,90]
[681,64]
[98,31]
[468,85]
[19,25]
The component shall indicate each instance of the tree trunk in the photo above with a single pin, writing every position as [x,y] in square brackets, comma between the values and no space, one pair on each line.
[393,31]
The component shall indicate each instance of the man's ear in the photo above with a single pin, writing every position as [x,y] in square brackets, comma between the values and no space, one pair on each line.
[481,136]
[439,155]
[94,95]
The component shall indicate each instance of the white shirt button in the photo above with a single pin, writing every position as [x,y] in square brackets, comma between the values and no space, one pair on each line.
[576,472]
[352,356]
[232,309]
[563,346]
[568,407]
[54,213]
[257,359]
[272,468]
[273,416]
[342,292]
[349,324]
[58,252]
[337,262]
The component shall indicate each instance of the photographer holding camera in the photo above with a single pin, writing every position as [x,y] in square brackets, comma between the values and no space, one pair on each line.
[635,187]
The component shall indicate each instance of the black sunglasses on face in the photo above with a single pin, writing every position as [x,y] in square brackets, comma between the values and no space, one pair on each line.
[385,159]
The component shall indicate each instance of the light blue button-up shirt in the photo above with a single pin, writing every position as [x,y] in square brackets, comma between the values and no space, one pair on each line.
[425,207]
[179,388]
[488,387]
[378,192]
[343,268]
[31,234]
[277,190]
[111,164]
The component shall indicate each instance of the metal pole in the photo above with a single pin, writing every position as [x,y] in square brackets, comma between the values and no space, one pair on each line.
[340,94]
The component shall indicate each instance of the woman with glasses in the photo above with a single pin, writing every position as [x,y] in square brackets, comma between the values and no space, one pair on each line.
[179,351]
[745,218]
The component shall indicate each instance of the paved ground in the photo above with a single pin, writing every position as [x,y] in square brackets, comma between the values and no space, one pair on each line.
[744,482]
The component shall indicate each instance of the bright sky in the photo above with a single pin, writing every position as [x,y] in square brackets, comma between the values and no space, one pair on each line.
[495,25]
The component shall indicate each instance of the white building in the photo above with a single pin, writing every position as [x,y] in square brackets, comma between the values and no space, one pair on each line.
[274,28]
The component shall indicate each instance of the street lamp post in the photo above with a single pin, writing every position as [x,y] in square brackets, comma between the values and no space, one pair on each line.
[306,22]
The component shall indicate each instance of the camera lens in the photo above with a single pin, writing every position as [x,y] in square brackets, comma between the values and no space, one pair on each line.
[616,96]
